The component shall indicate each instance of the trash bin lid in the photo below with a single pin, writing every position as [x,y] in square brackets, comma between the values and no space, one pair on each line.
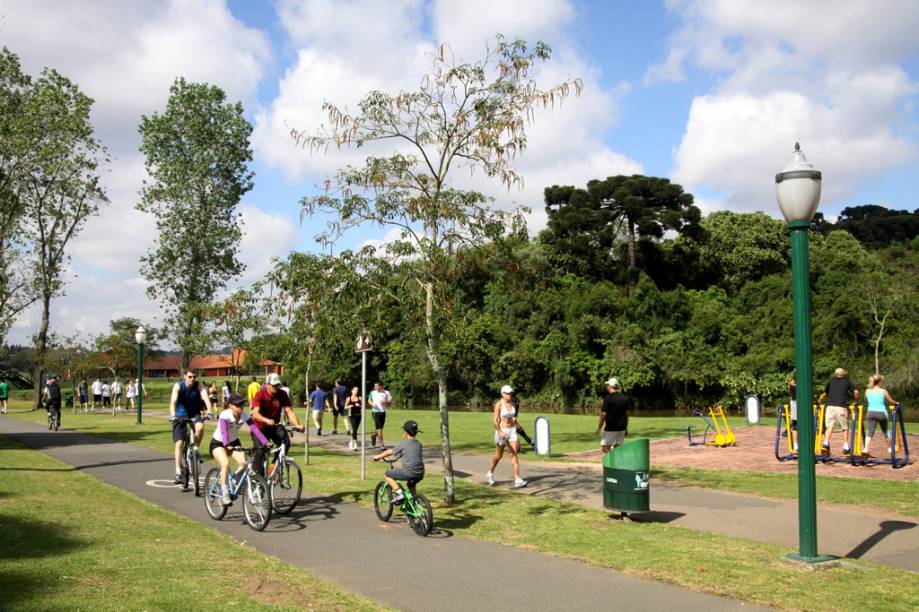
[633,455]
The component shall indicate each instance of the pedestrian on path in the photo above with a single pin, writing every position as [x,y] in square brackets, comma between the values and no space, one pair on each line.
[838,390]
[129,392]
[83,392]
[319,400]
[4,396]
[614,416]
[504,419]
[252,389]
[97,393]
[878,399]
[353,405]
[339,395]
[107,397]
[380,399]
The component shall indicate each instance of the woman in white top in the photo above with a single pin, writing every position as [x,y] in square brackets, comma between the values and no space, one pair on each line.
[504,419]
[129,393]
[226,440]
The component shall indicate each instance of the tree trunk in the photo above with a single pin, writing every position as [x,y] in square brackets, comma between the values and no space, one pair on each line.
[440,376]
[631,270]
[41,348]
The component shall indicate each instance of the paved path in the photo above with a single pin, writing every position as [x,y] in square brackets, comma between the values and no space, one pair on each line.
[347,545]
[874,535]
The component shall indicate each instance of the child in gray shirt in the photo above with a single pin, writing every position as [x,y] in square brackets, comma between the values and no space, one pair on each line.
[412,470]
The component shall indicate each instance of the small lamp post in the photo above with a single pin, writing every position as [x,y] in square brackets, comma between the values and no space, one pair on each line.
[797,189]
[140,336]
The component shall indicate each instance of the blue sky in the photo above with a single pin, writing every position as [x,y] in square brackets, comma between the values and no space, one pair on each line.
[710,93]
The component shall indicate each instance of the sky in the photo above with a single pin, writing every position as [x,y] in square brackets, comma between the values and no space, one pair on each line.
[711,94]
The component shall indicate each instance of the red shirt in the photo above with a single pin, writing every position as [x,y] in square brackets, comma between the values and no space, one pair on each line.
[270,406]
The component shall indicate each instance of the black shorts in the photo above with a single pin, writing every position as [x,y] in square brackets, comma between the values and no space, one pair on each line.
[276,434]
[106,400]
[97,399]
[219,444]
[400,474]
[379,419]
[178,426]
[340,411]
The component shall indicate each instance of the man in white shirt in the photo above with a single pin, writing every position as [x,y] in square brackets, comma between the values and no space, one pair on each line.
[380,399]
[97,393]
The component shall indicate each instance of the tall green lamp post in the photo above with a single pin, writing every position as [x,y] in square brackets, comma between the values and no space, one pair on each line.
[141,336]
[797,189]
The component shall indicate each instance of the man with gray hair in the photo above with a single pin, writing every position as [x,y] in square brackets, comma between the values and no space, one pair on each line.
[614,416]
[838,390]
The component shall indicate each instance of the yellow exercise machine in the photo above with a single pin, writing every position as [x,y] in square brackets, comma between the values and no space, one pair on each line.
[717,423]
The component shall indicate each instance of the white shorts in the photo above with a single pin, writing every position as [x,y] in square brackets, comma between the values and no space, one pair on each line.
[612,438]
[510,435]
[838,415]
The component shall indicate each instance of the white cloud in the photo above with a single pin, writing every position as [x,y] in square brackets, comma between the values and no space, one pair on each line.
[265,236]
[837,88]
[337,64]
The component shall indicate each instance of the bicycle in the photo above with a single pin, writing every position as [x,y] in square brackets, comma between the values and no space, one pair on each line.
[284,477]
[415,506]
[247,483]
[190,463]
[54,417]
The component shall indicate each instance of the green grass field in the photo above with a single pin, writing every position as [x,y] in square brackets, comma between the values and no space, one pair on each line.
[733,567]
[71,542]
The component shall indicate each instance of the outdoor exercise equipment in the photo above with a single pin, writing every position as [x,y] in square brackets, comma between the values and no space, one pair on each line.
[717,423]
[899,446]
[824,455]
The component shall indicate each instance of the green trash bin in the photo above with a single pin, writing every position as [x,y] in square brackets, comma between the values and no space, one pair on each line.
[68,400]
[627,477]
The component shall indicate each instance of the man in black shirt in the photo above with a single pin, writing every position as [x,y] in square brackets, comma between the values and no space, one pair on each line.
[838,391]
[614,416]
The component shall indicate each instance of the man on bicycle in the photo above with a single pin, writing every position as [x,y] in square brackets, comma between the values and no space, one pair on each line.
[186,403]
[267,406]
[52,397]
[410,451]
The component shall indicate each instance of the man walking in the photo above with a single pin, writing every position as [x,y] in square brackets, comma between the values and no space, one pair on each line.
[4,396]
[614,416]
[252,389]
[97,393]
[380,399]
[339,395]
[319,400]
[838,390]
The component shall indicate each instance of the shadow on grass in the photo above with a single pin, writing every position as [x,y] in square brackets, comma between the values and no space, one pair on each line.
[25,539]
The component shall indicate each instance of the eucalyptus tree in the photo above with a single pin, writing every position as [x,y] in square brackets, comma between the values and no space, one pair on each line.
[469,116]
[197,154]
[51,181]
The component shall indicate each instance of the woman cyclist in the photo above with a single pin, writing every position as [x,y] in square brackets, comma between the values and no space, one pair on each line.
[226,440]
[504,420]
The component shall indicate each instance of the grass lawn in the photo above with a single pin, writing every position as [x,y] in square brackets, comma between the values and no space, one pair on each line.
[71,542]
[732,567]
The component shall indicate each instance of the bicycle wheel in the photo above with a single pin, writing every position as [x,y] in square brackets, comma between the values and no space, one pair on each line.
[184,470]
[286,486]
[195,475]
[424,517]
[257,502]
[51,421]
[212,497]
[57,420]
[382,501]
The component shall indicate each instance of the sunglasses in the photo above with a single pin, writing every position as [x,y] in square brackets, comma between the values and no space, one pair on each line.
[191,377]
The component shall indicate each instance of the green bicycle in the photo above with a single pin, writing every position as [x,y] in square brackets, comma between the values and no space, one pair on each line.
[415,506]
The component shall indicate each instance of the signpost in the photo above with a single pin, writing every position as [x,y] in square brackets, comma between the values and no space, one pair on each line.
[363,346]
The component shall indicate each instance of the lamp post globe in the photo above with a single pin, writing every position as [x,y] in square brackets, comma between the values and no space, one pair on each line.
[797,188]
[140,335]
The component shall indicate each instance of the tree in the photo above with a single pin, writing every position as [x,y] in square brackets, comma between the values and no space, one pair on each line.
[57,184]
[633,207]
[470,115]
[17,292]
[197,155]
[116,350]
[238,318]
[876,226]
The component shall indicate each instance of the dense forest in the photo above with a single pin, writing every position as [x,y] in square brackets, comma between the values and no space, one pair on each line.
[686,311]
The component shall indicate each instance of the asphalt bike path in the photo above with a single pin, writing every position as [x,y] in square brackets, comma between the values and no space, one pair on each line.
[871,534]
[386,562]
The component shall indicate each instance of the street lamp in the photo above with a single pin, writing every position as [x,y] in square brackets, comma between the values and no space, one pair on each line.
[797,189]
[141,336]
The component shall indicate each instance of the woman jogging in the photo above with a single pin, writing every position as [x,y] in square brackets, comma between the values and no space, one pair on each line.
[878,400]
[353,406]
[504,420]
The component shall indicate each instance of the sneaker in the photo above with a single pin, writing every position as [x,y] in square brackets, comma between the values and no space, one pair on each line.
[490,478]
[319,431]
[334,432]
[178,479]
[846,450]
[373,439]
[520,483]
[225,498]
[399,497]
[825,447]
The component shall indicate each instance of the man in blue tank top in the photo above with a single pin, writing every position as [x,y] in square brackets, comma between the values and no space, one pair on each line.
[186,404]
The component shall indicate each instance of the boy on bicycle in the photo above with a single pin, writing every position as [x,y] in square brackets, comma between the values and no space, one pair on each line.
[409,450]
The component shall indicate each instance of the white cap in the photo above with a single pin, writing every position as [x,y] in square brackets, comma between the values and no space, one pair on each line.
[273,379]
[613,382]
[507,389]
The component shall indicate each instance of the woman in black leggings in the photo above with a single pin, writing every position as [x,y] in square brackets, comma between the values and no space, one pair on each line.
[353,406]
